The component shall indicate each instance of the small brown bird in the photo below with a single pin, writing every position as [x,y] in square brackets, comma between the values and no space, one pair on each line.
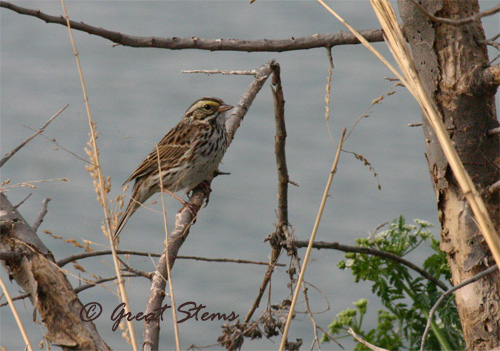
[189,154]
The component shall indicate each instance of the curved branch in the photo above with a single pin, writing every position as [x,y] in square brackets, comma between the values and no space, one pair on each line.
[64,261]
[369,251]
[176,43]
[460,21]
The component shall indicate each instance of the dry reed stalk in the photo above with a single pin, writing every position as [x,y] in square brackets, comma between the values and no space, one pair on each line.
[16,316]
[102,187]
[170,282]
[311,242]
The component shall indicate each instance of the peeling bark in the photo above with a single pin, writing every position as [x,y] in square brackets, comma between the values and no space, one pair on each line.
[453,64]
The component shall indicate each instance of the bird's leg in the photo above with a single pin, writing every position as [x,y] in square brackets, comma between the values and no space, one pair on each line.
[174,196]
[191,207]
[205,187]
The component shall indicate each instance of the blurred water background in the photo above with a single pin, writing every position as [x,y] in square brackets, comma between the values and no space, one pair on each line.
[137,95]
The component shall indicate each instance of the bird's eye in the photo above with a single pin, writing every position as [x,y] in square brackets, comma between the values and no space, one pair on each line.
[207,107]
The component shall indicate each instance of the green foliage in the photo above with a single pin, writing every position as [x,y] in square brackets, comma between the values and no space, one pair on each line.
[383,336]
[407,297]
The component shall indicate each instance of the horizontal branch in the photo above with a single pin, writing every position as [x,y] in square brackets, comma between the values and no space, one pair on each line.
[176,43]
[78,289]
[369,251]
[64,261]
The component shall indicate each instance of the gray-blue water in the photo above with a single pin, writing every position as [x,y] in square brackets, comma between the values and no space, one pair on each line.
[137,95]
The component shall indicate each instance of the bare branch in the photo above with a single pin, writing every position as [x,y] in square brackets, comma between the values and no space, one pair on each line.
[41,214]
[240,110]
[486,81]
[494,131]
[460,21]
[175,43]
[279,148]
[448,292]
[366,343]
[218,71]
[78,289]
[23,200]
[493,188]
[278,236]
[370,251]
[64,261]
[16,149]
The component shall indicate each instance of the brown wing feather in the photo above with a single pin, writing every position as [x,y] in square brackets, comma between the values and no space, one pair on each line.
[171,148]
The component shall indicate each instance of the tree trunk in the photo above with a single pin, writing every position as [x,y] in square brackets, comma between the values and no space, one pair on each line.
[453,65]
[32,266]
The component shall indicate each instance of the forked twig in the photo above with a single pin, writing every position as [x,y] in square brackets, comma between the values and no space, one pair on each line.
[16,149]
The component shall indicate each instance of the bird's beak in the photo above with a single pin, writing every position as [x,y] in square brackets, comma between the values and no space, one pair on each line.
[224,108]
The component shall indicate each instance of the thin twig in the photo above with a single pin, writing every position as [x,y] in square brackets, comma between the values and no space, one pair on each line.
[16,149]
[53,140]
[23,200]
[138,272]
[493,131]
[218,71]
[313,235]
[366,343]
[64,261]
[374,252]
[310,313]
[16,316]
[228,260]
[41,214]
[101,185]
[460,21]
[283,180]
[30,183]
[240,110]
[493,188]
[448,292]
[78,289]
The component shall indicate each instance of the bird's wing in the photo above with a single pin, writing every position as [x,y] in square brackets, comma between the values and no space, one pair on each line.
[171,148]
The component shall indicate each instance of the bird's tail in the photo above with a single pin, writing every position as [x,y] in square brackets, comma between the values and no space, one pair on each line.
[138,197]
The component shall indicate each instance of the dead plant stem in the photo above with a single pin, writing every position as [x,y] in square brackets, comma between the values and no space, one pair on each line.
[101,187]
[170,281]
[311,241]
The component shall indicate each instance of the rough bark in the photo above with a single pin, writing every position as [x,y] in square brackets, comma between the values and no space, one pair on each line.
[453,64]
[34,269]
